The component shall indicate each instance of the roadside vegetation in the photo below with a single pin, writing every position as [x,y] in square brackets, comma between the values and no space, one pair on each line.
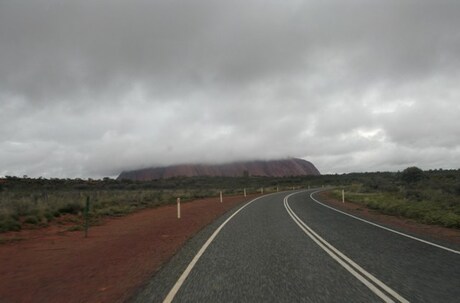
[36,202]
[431,197]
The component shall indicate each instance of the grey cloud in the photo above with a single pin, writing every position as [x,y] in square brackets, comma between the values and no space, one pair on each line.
[424,125]
[59,48]
[92,88]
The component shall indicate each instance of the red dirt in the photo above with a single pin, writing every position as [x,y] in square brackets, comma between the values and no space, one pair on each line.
[51,265]
[435,232]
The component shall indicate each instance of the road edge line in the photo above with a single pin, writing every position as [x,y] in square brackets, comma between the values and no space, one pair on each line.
[172,293]
[383,227]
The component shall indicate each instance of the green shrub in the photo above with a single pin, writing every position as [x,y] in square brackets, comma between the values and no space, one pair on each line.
[414,195]
[9,224]
[412,212]
[71,208]
[48,215]
[427,206]
[32,220]
[412,175]
[451,220]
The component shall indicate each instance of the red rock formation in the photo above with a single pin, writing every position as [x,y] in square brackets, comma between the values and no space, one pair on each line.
[274,168]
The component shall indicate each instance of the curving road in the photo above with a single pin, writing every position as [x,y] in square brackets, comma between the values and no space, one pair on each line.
[287,247]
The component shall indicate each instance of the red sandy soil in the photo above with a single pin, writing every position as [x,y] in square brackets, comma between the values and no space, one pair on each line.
[52,265]
[403,224]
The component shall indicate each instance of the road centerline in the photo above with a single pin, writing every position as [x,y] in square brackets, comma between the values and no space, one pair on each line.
[357,271]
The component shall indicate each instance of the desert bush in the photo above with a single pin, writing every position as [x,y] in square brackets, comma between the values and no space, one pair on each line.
[9,224]
[71,208]
[384,191]
[412,175]
[32,219]
[450,220]
[116,210]
[414,195]
[420,209]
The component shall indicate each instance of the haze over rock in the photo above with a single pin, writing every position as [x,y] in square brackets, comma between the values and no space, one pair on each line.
[273,168]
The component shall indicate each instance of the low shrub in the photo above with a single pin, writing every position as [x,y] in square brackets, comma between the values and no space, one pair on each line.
[71,208]
[115,210]
[32,220]
[48,215]
[414,195]
[414,205]
[451,220]
[9,224]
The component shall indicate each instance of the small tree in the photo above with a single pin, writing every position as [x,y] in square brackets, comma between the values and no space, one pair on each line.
[412,175]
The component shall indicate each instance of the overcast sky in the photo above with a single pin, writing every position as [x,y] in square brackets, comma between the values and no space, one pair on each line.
[91,88]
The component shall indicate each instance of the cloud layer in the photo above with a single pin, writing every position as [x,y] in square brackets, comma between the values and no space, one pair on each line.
[90,88]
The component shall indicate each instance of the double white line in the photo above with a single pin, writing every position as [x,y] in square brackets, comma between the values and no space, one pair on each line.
[375,285]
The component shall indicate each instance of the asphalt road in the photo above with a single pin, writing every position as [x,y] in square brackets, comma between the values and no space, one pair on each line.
[286,247]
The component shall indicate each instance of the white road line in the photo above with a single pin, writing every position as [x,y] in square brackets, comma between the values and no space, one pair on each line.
[343,260]
[172,293]
[386,228]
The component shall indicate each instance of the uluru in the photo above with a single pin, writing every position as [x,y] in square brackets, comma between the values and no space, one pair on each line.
[271,168]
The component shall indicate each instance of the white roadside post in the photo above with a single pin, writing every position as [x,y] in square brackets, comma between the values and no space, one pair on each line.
[220,196]
[245,192]
[178,208]
[262,190]
[343,196]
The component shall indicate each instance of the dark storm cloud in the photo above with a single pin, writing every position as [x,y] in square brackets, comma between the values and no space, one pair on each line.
[88,88]
[52,49]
